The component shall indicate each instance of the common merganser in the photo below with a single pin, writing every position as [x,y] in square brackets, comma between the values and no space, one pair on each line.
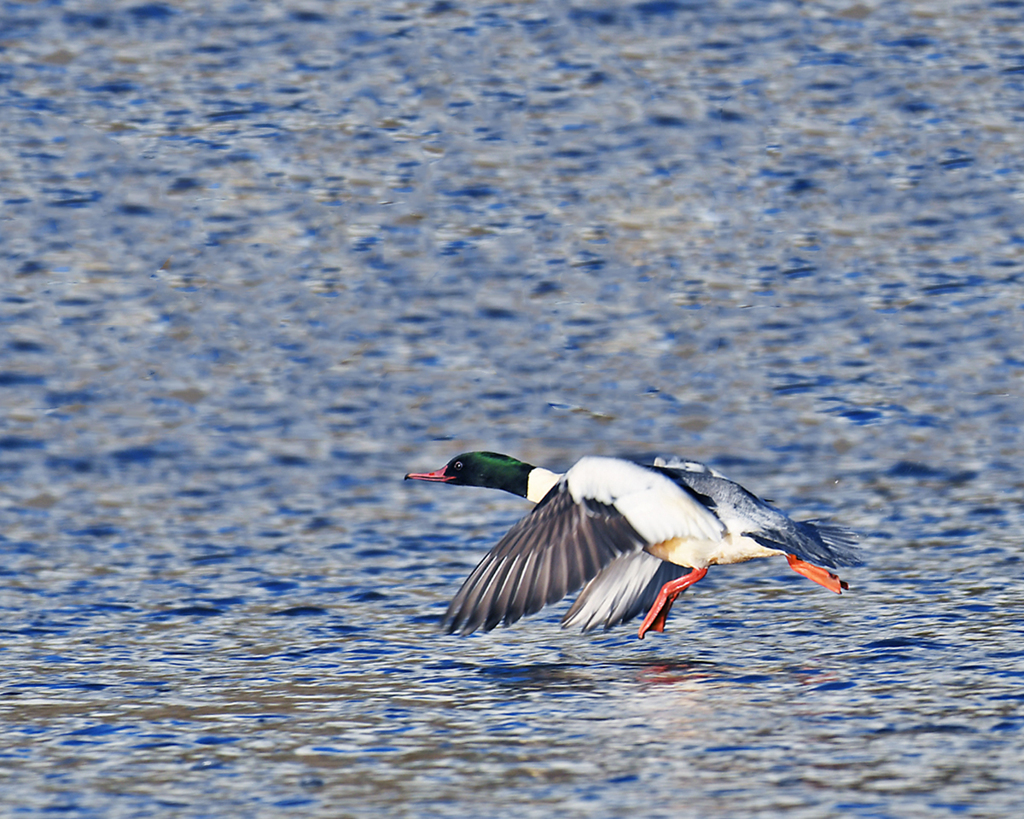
[638,535]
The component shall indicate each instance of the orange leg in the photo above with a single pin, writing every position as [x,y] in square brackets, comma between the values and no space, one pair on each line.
[655,619]
[823,577]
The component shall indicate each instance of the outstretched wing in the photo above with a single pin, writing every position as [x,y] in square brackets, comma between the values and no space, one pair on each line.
[554,550]
[625,588]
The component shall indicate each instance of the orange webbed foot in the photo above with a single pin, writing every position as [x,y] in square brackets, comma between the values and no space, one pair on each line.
[823,577]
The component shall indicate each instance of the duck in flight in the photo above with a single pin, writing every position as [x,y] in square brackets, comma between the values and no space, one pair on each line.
[634,536]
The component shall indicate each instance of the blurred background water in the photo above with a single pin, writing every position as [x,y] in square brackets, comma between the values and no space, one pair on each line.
[260,260]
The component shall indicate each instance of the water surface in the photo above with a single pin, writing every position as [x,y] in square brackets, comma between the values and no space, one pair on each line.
[260,261]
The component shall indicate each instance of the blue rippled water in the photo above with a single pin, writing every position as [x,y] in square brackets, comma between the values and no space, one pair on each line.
[258,261]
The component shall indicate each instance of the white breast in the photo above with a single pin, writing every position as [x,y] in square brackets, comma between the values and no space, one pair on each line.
[699,554]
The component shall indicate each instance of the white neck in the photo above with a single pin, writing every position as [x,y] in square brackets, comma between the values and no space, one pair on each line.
[539,483]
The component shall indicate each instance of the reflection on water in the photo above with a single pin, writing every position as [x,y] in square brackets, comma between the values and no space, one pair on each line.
[260,262]
[678,673]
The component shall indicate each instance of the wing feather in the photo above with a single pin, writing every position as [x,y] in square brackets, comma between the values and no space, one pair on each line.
[625,588]
[551,552]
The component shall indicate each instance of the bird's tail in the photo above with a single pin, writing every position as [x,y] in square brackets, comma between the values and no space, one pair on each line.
[842,542]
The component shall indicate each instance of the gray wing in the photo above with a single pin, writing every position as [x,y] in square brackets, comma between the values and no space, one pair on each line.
[819,543]
[551,552]
[625,588]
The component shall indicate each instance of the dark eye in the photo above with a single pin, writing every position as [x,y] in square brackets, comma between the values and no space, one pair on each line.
[458,464]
